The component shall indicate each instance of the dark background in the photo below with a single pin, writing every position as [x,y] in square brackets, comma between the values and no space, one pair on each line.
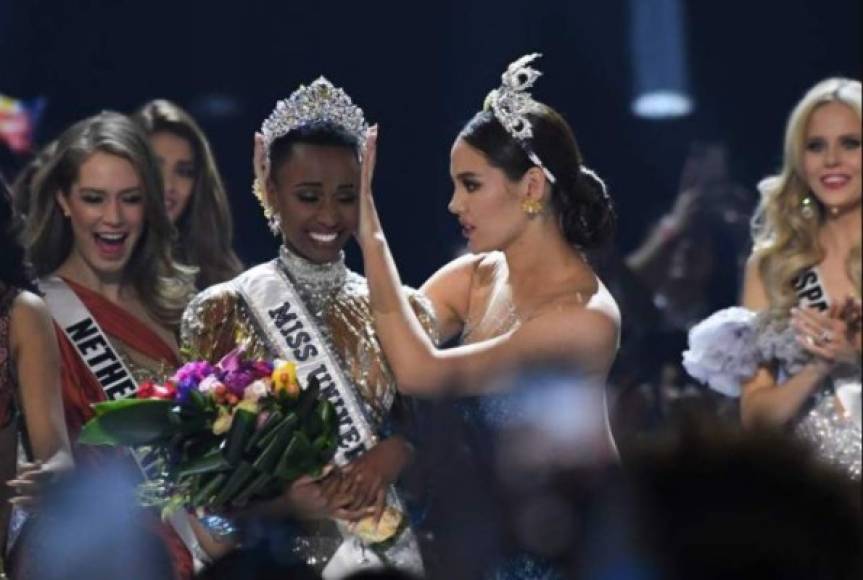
[421,69]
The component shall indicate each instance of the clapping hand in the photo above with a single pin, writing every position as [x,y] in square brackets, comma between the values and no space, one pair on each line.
[833,336]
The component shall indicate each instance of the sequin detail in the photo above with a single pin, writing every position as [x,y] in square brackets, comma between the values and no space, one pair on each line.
[218,320]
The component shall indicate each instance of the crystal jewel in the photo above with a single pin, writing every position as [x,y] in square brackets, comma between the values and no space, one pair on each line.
[320,102]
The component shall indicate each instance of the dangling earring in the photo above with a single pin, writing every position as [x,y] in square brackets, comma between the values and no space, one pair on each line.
[807,207]
[532,207]
[273,221]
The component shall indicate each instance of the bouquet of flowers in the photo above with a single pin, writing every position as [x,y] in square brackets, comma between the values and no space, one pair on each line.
[221,435]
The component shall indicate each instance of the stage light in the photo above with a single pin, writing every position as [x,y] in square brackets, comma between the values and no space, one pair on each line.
[659,66]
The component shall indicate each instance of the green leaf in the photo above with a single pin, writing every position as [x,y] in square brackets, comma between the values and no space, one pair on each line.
[268,459]
[213,461]
[308,398]
[131,422]
[209,490]
[272,421]
[236,480]
[103,407]
[242,427]
[257,485]
[295,457]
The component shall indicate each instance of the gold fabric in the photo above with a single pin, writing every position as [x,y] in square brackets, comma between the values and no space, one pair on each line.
[218,320]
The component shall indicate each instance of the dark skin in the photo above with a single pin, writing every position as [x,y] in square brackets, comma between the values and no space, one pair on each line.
[358,489]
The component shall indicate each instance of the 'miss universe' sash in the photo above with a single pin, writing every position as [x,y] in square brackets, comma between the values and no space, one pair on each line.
[93,346]
[293,334]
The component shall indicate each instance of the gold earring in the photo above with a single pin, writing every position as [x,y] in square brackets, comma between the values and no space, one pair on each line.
[532,207]
[807,207]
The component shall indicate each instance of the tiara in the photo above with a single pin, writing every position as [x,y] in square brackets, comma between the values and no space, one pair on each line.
[318,102]
[511,103]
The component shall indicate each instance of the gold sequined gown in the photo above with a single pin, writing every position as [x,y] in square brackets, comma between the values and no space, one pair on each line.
[218,320]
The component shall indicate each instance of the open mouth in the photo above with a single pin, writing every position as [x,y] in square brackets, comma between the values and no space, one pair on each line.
[110,244]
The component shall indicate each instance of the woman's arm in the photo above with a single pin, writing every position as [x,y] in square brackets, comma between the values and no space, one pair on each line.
[37,359]
[449,290]
[761,401]
[587,337]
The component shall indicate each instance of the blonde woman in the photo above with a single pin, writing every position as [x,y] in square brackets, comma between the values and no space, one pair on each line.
[802,284]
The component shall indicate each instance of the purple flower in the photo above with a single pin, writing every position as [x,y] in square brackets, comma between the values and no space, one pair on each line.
[238,380]
[194,371]
[231,361]
[262,369]
[184,386]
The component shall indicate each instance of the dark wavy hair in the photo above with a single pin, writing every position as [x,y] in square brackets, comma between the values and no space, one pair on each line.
[206,227]
[162,284]
[578,197]
[14,270]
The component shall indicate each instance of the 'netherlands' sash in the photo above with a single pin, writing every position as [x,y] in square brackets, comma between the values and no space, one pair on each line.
[92,344]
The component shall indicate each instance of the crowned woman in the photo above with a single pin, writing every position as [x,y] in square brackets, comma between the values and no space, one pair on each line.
[306,306]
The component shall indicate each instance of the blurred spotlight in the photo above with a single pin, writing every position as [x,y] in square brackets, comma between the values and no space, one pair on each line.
[657,42]
[216,106]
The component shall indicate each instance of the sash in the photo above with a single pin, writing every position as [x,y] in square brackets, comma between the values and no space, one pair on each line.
[810,291]
[292,333]
[95,350]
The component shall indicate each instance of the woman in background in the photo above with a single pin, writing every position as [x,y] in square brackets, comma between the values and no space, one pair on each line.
[31,407]
[798,339]
[194,193]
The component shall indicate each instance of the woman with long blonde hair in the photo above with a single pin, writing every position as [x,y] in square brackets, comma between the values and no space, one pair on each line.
[802,284]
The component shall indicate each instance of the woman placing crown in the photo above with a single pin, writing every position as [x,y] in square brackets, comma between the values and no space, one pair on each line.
[307,307]
[528,207]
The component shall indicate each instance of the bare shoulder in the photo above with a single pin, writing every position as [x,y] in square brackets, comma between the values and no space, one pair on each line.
[596,322]
[587,333]
[458,271]
[30,318]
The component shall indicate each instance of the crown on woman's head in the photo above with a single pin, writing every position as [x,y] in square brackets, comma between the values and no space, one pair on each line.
[319,102]
[511,102]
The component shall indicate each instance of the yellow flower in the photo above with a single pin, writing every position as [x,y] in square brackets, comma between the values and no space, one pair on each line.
[285,378]
[223,422]
[248,405]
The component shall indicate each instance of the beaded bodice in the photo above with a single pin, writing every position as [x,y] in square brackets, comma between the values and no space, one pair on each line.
[218,320]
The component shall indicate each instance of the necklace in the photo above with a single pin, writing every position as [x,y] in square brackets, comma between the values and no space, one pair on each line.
[317,283]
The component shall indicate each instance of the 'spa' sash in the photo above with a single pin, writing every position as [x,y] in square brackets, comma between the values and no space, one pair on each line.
[92,344]
[294,335]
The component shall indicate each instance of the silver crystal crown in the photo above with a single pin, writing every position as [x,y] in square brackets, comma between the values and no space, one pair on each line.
[511,102]
[318,102]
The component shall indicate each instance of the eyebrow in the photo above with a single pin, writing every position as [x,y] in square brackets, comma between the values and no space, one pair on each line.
[135,189]
[466,174]
[320,184]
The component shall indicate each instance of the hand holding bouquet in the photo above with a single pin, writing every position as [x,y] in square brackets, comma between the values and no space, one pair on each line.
[221,435]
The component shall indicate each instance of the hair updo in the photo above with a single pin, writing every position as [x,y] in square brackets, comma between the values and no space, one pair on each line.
[578,197]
